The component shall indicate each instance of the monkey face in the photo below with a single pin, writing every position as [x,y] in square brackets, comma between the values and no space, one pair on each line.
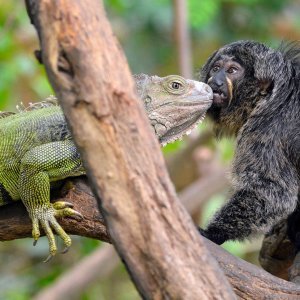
[223,75]
[231,72]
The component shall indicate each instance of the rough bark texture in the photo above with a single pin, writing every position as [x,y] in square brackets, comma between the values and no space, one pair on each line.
[251,282]
[151,231]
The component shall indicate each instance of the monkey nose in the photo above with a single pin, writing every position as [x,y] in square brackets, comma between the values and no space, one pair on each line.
[219,83]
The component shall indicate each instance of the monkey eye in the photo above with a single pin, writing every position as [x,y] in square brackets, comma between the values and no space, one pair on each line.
[216,68]
[176,85]
[232,70]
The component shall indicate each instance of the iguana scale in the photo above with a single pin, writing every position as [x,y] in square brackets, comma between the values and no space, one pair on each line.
[36,147]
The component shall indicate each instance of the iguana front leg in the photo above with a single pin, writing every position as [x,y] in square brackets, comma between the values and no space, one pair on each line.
[40,166]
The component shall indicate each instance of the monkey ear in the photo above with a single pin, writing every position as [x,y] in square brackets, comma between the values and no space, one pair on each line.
[265,86]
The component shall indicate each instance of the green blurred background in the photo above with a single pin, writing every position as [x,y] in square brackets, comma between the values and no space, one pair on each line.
[146,32]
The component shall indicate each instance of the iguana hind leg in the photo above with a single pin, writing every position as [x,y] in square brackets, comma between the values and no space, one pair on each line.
[39,166]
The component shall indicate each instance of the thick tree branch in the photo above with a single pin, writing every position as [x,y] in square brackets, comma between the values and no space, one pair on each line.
[121,155]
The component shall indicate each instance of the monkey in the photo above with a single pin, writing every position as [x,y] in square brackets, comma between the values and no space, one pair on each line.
[257,101]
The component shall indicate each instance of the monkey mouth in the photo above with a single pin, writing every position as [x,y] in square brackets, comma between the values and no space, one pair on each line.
[220,98]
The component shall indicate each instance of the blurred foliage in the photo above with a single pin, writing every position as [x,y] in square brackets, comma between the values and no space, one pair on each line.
[145,31]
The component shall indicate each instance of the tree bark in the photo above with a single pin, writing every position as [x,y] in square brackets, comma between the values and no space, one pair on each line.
[149,228]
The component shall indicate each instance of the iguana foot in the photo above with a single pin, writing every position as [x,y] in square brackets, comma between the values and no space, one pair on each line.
[46,217]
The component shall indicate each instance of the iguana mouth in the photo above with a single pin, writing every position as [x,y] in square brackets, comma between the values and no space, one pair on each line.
[204,102]
[177,133]
[179,118]
[193,101]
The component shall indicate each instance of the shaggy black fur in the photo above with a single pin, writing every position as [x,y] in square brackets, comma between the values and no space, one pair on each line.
[266,167]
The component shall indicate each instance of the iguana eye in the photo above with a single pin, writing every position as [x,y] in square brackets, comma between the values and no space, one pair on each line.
[176,85]
[148,100]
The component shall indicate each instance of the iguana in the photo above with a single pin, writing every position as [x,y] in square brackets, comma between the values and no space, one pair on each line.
[36,147]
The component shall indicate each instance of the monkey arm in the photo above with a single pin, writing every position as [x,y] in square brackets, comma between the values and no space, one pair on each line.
[262,195]
[246,213]
[234,220]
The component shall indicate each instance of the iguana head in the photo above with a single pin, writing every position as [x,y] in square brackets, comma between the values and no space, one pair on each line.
[174,105]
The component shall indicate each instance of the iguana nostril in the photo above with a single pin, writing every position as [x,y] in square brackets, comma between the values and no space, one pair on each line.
[208,89]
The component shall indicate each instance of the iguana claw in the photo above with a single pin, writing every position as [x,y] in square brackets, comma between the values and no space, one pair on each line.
[48,258]
[62,204]
[64,209]
[78,216]
[46,217]
[65,250]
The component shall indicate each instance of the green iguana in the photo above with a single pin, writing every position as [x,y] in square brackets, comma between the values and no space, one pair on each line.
[36,147]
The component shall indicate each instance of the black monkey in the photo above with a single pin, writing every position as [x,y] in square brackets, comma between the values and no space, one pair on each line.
[257,99]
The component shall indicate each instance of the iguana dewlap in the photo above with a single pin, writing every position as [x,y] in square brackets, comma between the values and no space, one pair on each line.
[36,147]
